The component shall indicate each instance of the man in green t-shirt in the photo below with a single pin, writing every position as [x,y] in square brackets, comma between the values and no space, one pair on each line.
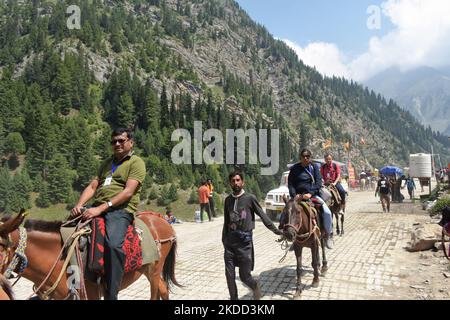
[115,192]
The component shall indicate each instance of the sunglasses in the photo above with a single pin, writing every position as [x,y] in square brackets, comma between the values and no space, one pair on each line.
[120,141]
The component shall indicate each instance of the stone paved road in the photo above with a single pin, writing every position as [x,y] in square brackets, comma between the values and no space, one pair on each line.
[366,263]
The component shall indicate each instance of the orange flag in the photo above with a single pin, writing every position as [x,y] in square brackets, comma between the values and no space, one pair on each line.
[327,144]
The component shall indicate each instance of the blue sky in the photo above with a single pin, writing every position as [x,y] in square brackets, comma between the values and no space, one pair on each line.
[342,22]
[334,36]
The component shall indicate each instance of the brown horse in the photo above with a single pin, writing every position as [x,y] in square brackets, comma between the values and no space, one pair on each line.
[5,289]
[44,244]
[299,227]
[336,204]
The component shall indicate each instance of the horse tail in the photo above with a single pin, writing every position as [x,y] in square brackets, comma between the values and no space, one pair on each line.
[169,267]
[4,285]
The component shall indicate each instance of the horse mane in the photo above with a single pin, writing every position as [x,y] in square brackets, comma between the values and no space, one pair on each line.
[4,284]
[43,226]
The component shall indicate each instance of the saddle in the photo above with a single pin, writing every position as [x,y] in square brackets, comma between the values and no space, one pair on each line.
[335,192]
[131,247]
[140,247]
[312,208]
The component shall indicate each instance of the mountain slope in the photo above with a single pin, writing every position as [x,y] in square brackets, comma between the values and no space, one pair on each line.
[157,66]
[425,92]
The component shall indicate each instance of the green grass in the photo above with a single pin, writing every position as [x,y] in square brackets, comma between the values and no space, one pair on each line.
[180,208]
[53,212]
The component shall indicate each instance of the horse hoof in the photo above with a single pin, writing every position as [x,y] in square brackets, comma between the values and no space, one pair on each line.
[323,270]
[315,284]
[297,295]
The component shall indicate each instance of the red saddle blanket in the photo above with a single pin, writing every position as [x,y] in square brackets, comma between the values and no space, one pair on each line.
[131,247]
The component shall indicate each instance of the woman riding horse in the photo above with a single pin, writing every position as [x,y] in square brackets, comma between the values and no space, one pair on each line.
[42,245]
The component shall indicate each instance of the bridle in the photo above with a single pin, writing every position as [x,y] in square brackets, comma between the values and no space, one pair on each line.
[290,218]
[301,238]
[6,253]
[13,256]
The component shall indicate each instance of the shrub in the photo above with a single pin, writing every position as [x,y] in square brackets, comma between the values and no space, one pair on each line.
[440,205]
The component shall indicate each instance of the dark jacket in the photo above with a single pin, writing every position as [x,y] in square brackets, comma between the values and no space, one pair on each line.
[302,182]
[242,219]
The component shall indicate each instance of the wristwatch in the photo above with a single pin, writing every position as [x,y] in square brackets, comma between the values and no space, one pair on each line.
[110,205]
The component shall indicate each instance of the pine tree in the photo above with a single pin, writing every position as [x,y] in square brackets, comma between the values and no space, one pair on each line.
[152,111]
[43,200]
[59,179]
[125,111]
[21,188]
[9,108]
[5,189]
[42,141]
[172,194]
[164,107]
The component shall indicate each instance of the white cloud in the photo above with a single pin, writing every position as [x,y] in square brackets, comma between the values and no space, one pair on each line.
[326,57]
[421,37]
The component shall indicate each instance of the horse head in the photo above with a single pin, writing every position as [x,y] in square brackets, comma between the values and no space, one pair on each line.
[292,219]
[8,225]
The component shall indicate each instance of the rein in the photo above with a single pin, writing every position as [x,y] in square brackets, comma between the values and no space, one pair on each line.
[73,240]
[302,238]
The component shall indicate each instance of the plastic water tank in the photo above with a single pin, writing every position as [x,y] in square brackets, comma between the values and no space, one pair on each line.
[420,165]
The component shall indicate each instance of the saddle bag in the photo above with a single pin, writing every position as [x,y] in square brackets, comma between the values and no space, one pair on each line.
[325,194]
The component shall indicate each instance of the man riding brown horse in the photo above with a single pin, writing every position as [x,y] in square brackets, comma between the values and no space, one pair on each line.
[331,174]
[42,248]
[115,191]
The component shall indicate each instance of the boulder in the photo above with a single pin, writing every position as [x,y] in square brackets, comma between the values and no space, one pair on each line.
[424,236]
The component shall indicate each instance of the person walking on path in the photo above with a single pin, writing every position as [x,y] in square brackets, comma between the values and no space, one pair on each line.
[237,235]
[384,189]
[203,199]
[410,185]
[211,198]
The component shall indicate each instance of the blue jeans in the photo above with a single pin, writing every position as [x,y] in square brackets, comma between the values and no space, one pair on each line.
[327,217]
[116,225]
[341,191]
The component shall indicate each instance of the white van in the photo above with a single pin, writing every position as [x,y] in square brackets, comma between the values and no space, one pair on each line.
[274,199]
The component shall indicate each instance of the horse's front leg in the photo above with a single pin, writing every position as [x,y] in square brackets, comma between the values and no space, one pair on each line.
[298,255]
[342,220]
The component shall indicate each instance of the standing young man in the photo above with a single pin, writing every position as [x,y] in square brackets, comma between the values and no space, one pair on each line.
[384,189]
[237,235]
[203,199]
[116,192]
